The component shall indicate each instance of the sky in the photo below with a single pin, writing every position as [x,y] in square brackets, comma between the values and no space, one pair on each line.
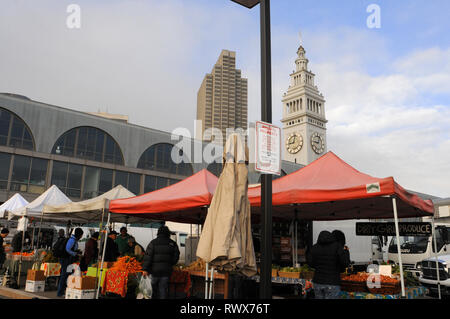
[387,89]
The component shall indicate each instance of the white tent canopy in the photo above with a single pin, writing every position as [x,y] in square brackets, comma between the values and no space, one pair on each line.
[15,202]
[91,210]
[52,196]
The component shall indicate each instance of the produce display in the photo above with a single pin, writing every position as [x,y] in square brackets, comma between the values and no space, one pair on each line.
[24,254]
[127,264]
[198,265]
[358,282]
[49,258]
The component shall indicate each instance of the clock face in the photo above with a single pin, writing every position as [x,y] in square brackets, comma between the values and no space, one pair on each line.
[317,143]
[294,143]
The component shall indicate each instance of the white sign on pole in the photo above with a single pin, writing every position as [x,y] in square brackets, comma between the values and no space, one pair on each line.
[268,148]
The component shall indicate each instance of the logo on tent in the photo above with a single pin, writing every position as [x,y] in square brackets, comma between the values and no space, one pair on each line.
[373,188]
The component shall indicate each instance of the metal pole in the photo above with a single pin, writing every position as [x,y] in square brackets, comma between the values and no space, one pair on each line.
[436,256]
[397,234]
[206,281]
[20,259]
[99,240]
[39,233]
[266,179]
[103,255]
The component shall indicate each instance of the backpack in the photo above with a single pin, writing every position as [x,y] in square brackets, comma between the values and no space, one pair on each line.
[59,249]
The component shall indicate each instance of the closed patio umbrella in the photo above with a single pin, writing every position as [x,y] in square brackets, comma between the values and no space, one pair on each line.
[226,241]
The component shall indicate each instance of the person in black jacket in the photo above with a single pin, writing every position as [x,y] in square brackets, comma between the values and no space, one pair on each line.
[4,233]
[329,259]
[16,242]
[161,255]
[111,250]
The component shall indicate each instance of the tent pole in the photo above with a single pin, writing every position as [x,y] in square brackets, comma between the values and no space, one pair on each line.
[206,281]
[97,281]
[211,284]
[436,256]
[103,255]
[21,251]
[397,234]
[39,232]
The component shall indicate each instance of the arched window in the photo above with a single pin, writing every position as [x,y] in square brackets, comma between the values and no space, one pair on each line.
[89,143]
[215,168]
[158,157]
[14,132]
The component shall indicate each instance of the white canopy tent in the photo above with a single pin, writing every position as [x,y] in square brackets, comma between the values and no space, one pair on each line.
[15,202]
[92,210]
[52,196]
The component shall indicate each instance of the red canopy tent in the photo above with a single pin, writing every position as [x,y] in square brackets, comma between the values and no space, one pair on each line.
[331,189]
[185,201]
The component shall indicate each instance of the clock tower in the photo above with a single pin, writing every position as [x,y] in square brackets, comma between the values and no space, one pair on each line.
[304,123]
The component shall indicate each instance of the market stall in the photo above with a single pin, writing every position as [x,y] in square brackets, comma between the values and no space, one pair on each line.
[330,189]
[183,202]
[12,204]
[93,210]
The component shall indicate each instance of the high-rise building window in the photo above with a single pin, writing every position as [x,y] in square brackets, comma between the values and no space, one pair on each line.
[14,132]
[89,143]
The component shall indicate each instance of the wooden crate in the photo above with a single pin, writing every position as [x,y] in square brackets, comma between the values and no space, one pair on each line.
[386,289]
[289,274]
[353,286]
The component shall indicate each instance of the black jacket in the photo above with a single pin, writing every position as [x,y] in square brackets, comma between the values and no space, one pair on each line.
[16,242]
[112,250]
[160,256]
[329,259]
[2,252]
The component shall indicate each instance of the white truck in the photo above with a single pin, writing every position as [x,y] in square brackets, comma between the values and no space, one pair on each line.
[428,275]
[416,249]
[364,250]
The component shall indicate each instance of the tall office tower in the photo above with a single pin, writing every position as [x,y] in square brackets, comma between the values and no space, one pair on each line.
[222,98]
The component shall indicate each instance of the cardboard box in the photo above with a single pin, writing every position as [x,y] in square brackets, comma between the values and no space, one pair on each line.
[35,275]
[93,272]
[83,283]
[34,286]
[80,294]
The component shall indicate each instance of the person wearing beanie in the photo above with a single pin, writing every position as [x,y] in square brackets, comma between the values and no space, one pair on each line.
[161,255]
[122,241]
[4,233]
[112,249]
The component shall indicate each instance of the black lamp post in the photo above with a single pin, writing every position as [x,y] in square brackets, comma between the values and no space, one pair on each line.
[266,116]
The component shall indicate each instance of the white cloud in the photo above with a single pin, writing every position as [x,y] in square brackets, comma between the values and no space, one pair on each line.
[147,60]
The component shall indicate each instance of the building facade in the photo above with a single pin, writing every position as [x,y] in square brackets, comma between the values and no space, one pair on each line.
[304,122]
[86,155]
[222,98]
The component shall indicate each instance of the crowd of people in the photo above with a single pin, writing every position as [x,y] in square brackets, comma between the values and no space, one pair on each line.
[329,257]
[158,259]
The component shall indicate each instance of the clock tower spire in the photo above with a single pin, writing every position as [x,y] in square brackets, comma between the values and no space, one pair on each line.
[304,122]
